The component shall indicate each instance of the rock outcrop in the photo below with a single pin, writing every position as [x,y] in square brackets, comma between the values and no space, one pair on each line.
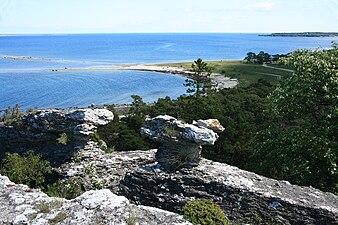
[55,134]
[22,205]
[181,142]
[244,196]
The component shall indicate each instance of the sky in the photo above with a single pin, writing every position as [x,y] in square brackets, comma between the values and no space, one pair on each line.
[158,16]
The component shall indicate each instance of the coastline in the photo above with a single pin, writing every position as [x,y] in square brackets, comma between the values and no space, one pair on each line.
[220,81]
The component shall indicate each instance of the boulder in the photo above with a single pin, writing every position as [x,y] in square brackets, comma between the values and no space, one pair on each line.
[181,142]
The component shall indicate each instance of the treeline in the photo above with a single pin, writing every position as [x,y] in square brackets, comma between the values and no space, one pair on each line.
[263,57]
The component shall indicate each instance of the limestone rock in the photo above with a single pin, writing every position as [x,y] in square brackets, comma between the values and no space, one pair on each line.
[212,124]
[245,197]
[182,142]
[21,205]
[92,116]
[167,128]
[40,131]
[97,168]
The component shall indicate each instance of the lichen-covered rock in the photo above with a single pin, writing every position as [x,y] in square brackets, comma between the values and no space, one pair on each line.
[181,142]
[41,131]
[167,128]
[212,124]
[96,168]
[22,205]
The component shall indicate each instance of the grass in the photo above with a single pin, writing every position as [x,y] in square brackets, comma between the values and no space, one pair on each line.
[58,218]
[245,73]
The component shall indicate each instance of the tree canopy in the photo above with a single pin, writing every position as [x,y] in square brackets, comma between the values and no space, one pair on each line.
[301,144]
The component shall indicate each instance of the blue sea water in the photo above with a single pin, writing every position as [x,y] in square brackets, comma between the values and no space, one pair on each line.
[31,83]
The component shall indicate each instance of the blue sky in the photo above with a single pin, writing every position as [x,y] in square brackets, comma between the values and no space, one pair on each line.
[157,16]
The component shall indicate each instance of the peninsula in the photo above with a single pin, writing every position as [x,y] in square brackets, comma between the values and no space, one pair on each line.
[302,34]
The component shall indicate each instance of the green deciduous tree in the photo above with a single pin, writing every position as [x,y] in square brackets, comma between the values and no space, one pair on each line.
[301,145]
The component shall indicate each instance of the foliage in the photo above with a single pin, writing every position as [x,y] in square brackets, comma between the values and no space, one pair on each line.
[123,135]
[69,189]
[204,212]
[200,81]
[301,144]
[63,139]
[10,114]
[137,106]
[30,170]
[262,57]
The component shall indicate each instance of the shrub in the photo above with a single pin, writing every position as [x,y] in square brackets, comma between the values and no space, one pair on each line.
[30,170]
[63,139]
[204,212]
[68,189]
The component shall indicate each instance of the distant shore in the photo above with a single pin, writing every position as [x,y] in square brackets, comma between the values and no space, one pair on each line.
[303,34]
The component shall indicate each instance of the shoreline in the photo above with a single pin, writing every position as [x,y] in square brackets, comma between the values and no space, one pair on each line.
[220,81]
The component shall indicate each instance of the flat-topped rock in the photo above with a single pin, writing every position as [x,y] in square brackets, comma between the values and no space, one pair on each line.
[22,205]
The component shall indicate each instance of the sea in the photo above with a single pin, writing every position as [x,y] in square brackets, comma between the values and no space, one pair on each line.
[33,83]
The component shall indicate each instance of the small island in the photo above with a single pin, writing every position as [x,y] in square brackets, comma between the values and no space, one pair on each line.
[302,34]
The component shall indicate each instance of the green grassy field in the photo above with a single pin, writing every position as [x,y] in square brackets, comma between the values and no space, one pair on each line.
[246,73]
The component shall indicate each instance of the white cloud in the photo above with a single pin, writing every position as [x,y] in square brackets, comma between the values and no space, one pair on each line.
[260,6]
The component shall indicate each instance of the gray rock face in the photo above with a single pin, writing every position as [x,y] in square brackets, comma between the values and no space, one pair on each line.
[181,141]
[97,169]
[41,130]
[244,196]
[21,205]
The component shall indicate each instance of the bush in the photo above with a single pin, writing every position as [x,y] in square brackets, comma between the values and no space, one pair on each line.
[30,170]
[204,212]
[68,189]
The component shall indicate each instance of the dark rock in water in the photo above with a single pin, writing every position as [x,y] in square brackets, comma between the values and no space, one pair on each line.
[181,142]
[22,205]
[55,134]
[243,196]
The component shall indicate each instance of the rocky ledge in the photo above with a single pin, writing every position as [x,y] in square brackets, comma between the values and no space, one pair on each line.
[245,197]
[22,205]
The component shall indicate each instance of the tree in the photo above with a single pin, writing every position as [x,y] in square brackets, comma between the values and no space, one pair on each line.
[137,106]
[301,145]
[263,57]
[200,82]
[251,57]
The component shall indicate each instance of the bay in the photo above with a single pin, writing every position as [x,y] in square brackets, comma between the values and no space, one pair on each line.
[31,83]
